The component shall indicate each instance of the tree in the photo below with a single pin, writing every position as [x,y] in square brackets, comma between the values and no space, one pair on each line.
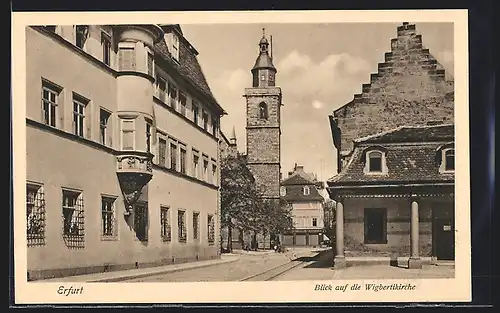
[329,220]
[276,217]
[239,196]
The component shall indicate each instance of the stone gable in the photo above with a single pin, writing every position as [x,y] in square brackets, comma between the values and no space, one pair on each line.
[409,89]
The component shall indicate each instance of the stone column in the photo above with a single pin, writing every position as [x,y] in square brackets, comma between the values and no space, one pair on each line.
[414,262]
[339,261]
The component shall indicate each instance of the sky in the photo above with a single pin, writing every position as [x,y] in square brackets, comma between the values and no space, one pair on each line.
[320,68]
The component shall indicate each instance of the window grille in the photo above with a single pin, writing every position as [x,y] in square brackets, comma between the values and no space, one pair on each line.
[196,226]
[108,217]
[181,226]
[166,235]
[35,216]
[73,219]
[211,229]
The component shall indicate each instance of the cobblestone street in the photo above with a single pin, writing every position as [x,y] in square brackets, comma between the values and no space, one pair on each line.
[248,264]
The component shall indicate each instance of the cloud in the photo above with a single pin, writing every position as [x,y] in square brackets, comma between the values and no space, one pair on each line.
[317,104]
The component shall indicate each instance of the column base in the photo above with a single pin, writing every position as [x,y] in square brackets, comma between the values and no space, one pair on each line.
[414,263]
[339,262]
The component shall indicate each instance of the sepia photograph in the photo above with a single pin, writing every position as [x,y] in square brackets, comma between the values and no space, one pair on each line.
[313,156]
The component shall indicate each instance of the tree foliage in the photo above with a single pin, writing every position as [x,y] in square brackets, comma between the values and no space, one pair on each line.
[242,205]
[329,219]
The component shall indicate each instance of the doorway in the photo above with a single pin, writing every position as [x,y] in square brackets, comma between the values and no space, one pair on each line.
[443,232]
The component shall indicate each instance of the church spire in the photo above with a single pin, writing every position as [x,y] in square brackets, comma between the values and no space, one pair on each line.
[232,140]
[263,70]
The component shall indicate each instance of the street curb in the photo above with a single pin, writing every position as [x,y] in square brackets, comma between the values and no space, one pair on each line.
[166,271]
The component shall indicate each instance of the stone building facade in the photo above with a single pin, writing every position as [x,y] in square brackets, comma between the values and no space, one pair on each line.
[410,88]
[122,129]
[263,129]
[395,142]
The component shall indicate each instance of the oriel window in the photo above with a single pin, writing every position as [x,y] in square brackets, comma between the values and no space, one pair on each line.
[148,137]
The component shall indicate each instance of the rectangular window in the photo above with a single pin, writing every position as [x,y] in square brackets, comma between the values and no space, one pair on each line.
[181,225]
[106,49]
[128,134]
[183,160]
[151,65]
[173,156]
[375,220]
[205,121]
[79,105]
[195,113]
[214,174]
[49,103]
[175,47]
[108,217]
[103,126]
[315,221]
[141,221]
[73,219]
[35,216]
[148,137]
[205,170]
[162,89]
[165,224]
[126,57]
[211,229]
[81,33]
[162,149]
[183,103]
[214,126]
[173,96]
[196,161]
[196,226]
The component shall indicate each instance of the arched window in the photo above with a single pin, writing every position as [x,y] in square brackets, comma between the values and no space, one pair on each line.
[306,190]
[263,111]
[449,159]
[374,161]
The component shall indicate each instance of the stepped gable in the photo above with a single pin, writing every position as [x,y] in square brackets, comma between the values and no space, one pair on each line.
[409,88]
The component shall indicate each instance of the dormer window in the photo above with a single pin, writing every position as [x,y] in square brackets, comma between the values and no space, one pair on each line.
[175,47]
[282,191]
[306,190]
[375,162]
[448,160]
[445,157]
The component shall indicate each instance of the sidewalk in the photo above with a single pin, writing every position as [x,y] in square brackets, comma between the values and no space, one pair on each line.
[118,276]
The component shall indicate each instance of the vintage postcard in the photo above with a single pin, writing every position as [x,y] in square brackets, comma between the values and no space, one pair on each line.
[241,157]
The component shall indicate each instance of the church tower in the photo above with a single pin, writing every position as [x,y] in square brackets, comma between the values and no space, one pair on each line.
[263,129]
